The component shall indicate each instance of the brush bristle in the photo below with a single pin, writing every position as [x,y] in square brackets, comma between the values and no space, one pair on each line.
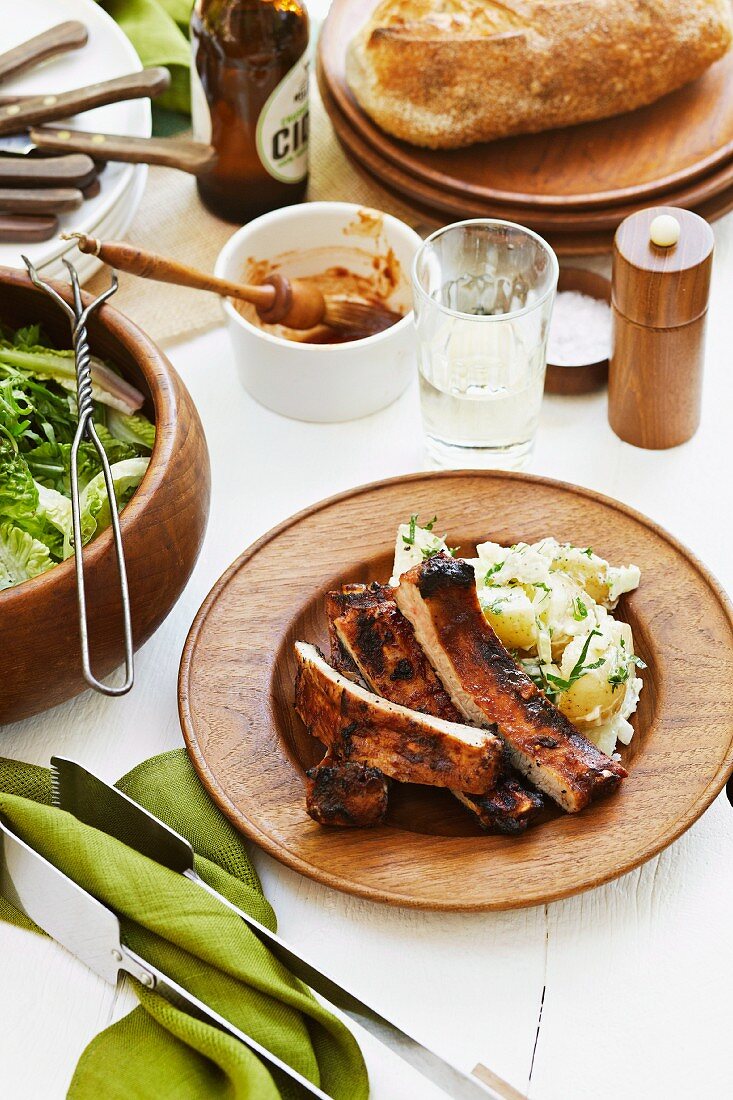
[361,317]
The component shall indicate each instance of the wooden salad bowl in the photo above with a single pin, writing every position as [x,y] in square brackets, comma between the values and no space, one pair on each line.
[162,526]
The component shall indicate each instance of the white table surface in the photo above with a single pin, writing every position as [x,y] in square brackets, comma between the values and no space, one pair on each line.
[622,992]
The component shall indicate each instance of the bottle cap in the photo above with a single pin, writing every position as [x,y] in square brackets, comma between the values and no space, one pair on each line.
[660,281]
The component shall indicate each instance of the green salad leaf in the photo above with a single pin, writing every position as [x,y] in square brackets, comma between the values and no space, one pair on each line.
[95,507]
[18,492]
[134,429]
[21,556]
[38,421]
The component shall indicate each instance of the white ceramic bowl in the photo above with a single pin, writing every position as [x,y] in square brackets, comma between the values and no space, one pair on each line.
[323,382]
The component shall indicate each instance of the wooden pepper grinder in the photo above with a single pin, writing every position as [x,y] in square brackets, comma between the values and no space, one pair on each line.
[662,259]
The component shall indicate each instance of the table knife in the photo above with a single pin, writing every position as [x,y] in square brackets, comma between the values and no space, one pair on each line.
[70,35]
[27,111]
[27,228]
[188,156]
[43,200]
[72,170]
[91,932]
[108,809]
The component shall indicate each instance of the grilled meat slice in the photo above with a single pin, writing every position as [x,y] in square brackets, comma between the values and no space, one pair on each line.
[508,808]
[440,600]
[340,658]
[346,793]
[369,631]
[405,745]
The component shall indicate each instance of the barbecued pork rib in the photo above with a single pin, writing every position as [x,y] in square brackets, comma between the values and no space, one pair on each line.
[440,600]
[405,745]
[346,793]
[340,658]
[371,635]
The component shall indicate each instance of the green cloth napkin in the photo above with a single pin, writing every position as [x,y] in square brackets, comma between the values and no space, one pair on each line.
[158,29]
[158,1052]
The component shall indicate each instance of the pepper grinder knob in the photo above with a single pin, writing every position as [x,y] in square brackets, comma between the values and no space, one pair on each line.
[662,261]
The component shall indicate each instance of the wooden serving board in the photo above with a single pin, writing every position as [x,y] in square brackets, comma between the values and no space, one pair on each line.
[630,158]
[458,205]
[250,749]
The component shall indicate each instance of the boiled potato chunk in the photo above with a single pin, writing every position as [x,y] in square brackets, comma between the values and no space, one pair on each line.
[509,610]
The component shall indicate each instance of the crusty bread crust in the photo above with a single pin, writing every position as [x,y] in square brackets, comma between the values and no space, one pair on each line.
[448,73]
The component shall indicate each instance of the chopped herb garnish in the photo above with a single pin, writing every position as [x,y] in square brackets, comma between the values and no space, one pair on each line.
[580,611]
[409,539]
[429,526]
[580,668]
[494,607]
[546,588]
[588,552]
[490,572]
[428,551]
[621,675]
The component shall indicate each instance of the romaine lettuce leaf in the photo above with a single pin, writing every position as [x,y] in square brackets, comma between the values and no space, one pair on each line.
[18,493]
[54,520]
[49,463]
[21,556]
[135,429]
[95,510]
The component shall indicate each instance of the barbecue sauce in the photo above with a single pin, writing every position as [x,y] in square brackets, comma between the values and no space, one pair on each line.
[249,99]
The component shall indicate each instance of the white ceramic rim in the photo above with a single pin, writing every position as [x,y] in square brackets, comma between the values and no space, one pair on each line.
[480,319]
[324,349]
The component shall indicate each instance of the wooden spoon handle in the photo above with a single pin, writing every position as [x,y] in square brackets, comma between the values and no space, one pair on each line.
[188,156]
[29,110]
[59,39]
[137,261]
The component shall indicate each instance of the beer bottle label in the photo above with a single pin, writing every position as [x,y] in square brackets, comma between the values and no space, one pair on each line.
[282,128]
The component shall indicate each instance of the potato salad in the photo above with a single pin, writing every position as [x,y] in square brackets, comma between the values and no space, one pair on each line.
[550,604]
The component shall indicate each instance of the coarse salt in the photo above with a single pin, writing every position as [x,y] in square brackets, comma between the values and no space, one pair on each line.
[580,330]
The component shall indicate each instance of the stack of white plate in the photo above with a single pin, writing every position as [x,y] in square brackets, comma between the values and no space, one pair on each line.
[107,54]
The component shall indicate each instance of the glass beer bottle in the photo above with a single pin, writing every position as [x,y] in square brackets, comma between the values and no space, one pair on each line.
[249,99]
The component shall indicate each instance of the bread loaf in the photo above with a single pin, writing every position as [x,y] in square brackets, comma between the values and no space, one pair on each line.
[447,73]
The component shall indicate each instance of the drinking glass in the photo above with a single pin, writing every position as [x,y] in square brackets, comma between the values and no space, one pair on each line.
[483,293]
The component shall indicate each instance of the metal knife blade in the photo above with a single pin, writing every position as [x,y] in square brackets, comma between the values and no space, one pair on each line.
[108,809]
[91,932]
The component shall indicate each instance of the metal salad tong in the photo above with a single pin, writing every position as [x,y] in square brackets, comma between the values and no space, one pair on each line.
[78,315]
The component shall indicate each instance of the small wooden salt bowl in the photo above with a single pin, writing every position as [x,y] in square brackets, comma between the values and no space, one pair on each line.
[570,381]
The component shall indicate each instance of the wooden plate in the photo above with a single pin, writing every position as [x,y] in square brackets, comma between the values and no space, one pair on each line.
[565,243]
[464,205]
[631,157]
[250,749]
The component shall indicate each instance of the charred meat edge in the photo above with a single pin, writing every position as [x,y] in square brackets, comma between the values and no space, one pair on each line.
[371,636]
[405,745]
[346,793]
[439,598]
